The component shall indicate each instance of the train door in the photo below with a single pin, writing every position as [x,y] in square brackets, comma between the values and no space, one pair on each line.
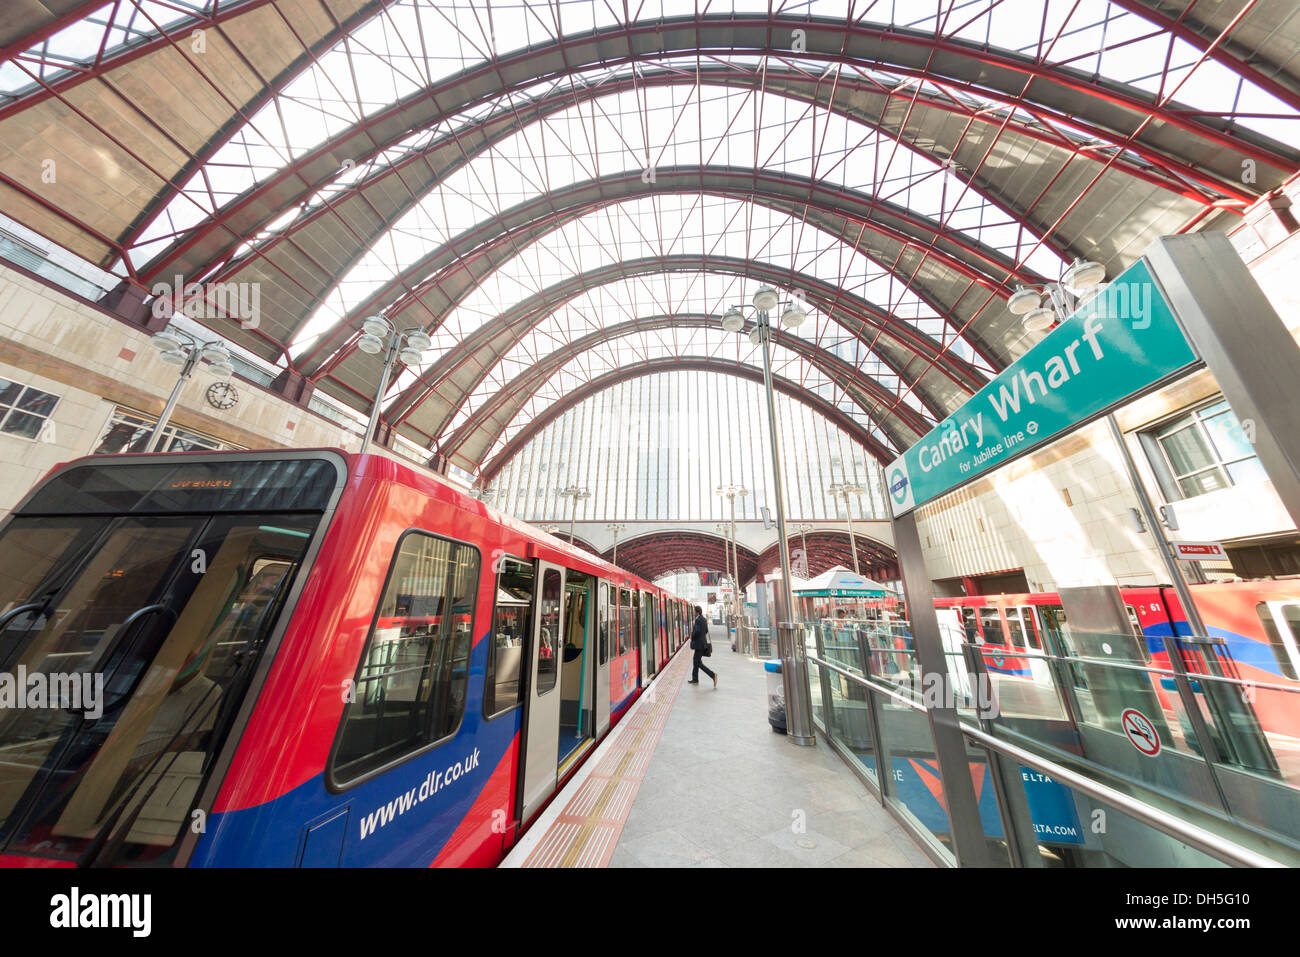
[662,632]
[638,634]
[1020,623]
[575,683]
[602,658]
[647,638]
[542,719]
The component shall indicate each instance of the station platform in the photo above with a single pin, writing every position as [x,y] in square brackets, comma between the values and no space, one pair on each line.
[695,777]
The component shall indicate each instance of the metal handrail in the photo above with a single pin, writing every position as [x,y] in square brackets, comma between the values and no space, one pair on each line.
[868,683]
[1199,838]
[1203,840]
[1017,652]
[1128,666]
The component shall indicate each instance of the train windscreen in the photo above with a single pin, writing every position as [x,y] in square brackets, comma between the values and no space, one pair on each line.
[135,599]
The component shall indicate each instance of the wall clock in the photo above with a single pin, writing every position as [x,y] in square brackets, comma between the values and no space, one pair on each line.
[222,395]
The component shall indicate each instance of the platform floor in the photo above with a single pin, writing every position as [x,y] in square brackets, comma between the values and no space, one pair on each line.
[696,778]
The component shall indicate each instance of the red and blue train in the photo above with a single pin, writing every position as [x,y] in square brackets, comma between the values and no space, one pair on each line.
[1254,632]
[298,658]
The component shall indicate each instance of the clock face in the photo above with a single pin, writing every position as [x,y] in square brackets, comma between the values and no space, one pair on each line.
[222,395]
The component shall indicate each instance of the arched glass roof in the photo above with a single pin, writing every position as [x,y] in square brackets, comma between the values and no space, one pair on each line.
[560,190]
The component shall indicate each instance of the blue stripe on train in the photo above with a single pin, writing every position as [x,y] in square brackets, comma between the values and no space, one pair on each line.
[1240,649]
[271,834]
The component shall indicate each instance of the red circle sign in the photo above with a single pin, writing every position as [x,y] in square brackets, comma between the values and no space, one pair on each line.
[1141,732]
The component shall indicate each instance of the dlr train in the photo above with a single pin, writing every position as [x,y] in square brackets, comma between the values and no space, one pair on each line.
[1253,626]
[298,658]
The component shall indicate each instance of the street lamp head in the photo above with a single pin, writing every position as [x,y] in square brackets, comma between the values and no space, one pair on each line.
[1038,320]
[224,369]
[370,344]
[175,357]
[1024,301]
[756,336]
[793,316]
[166,341]
[733,320]
[417,338]
[377,326]
[1083,274]
[215,352]
[411,357]
[765,299]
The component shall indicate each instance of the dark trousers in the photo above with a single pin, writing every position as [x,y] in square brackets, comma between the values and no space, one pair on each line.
[698,665]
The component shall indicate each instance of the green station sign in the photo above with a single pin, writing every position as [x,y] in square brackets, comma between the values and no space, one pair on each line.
[1120,343]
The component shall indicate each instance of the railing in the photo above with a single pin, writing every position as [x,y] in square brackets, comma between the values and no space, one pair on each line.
[1057,747]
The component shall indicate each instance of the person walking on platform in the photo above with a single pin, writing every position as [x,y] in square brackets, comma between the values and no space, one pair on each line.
[699,643]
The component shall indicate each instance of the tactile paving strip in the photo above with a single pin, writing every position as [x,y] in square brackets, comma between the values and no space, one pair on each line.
[586,832]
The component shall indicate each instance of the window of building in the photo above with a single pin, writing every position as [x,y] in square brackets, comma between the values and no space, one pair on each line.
[24,410]
[409,691]
[512,621]
[1206,450]
[130,431]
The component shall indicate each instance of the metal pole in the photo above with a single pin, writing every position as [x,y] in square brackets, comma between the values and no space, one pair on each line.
[735,564]
[853,542]
[186,371]
[379,396]
[614,560]
[799,726]
[573,515]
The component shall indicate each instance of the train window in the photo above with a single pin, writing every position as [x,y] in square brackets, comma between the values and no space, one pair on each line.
[624,621]
[512,622]
[174,643]
[603,633]
[1135,624]
[991,625]
[1285,645]
[969,623]
[1022,617]
[1015,633]
[409,691]
[549,637]
[1055,624]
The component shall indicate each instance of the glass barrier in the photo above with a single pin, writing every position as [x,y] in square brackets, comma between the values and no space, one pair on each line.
[1186,736]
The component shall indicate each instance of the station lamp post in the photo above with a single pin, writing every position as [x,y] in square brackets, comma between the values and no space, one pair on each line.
[577,493]
[615,528]
[408,345]
[803,528]
[730,492]
[795,664]
[725,531]
[844,490]
[182,349]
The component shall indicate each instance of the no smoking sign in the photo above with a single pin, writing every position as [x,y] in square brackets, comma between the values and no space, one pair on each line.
[1141,732]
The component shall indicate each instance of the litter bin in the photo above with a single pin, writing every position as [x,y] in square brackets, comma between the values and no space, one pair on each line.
[775,694]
